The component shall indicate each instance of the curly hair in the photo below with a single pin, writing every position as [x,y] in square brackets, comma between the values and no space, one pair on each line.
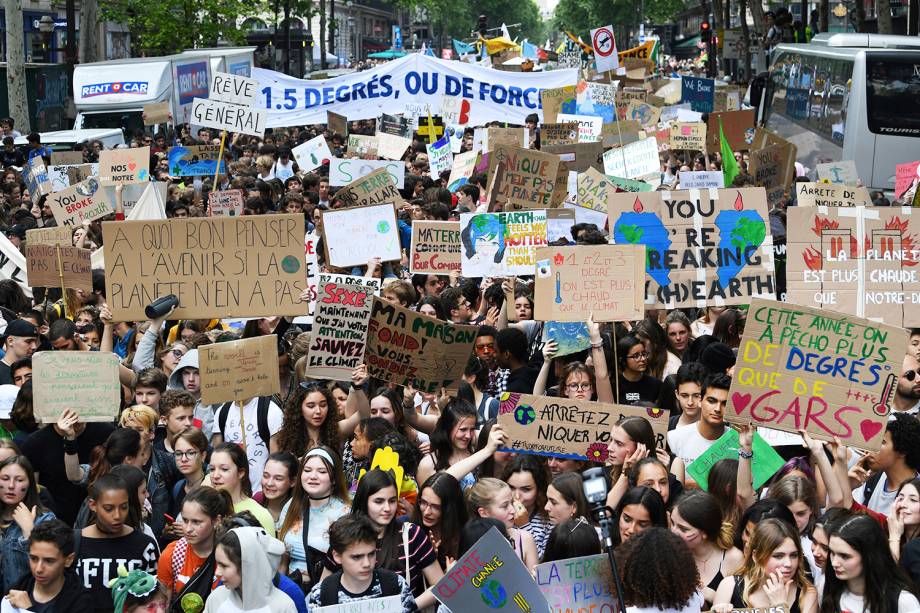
[905,432]
[293,436]
[657,570]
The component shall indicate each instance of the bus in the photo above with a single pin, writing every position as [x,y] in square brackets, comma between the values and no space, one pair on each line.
[848,97]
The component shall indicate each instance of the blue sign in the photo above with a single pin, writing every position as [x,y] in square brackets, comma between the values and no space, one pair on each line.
[192,81]
[240,68]
[187,163]
[700,93]
[397,37]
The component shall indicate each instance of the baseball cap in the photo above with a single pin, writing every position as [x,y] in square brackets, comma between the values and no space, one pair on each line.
[18,230]
[21,327]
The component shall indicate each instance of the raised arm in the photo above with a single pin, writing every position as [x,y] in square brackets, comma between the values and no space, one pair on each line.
[818,457]
[422,423]
[549,351]
[357,405]
[66,424]
[745,479]
[601,373]
[459,469]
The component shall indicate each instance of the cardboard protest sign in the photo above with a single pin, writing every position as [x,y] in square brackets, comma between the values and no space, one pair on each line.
[362,146]
[626,96]
[764,464]
[64,158]
[124,166]
[155,113]
[526,178]
[236,371]
[727,99]
[55,235]
[557,100]
[343,171]
[508,137]
[634,160]
[738,127]
[500,244]
[689,136]
[391,146]
[839,173]
[906,176]
[828,194]
[801,368]
[233,88]
[700,93]
[572,283]
[44,264]
[578,584]
[64,176]
[487,577]
[440,157]
[230,117]
[570,336]
[376,187]
[704,246]
[228,202]
[380,604]
[580,156]
[355,235]
[702,179]
[564,428]
[82,381]
[464,165]
[310,155]
[559,133]
[35,175]
[768,166]
[435,247]
[249,266]
[343,307]
[589,126]
[195,161]
[396,125]
[84,201]
[629,185]
[338,124]
[643,112]
[593,189]
[857,260]
[408,348]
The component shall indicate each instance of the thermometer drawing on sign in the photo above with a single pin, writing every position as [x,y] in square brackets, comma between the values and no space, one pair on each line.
[558,288]
[884,399]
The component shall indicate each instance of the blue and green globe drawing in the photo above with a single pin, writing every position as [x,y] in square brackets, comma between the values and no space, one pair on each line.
[493,594]
[524,414]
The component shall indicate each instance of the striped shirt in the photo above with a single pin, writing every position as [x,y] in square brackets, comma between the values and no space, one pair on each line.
[539,528]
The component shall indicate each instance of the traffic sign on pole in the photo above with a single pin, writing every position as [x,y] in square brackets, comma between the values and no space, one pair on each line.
[605,49]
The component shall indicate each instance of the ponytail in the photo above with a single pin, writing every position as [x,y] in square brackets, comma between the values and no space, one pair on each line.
[122,443]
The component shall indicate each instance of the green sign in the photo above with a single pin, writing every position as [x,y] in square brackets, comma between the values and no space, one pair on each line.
[764,464]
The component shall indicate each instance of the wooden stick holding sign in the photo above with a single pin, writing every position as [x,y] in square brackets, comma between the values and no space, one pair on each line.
[60,261]
[220,155]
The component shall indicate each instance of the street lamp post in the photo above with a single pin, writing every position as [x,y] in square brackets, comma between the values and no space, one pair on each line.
[46,27]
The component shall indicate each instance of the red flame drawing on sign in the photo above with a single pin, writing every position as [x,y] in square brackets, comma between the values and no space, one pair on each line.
[637,205]
[739,203]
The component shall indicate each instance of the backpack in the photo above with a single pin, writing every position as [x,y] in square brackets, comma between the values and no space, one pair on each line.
[329,588]
[871,484]
[199,583]
[261,418]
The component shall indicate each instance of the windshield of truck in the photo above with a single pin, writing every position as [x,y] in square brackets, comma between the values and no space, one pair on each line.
[128,121]
[892,90]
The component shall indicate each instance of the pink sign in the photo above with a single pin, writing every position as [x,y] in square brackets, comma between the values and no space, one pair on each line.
[904,177]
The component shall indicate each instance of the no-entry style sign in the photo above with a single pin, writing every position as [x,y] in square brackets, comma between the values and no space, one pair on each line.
[605,49]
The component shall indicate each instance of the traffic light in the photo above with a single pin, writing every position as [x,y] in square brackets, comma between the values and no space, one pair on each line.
[483,25]
[706,33]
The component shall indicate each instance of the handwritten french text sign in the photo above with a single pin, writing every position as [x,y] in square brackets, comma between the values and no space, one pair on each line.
[374,188]
[633,160]
[43,270]
[83,381]
[527,177]
[124,166]
[239,370]
[828,194]
[343,171]
[343,307]
[572,283]
[384,604]
[63,158]
[704,246]
[801,368]
[593,189]
[226,203]
[229,117]
[690,136]
[577,584]
[234,89]
[195,161]
[55,235]
[764,464]
[563,428]
[250,266]
[407,348]
[354,236]
[857,260]
[435,247]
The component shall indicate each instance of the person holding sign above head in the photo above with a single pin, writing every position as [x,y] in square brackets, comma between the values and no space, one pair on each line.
[579,381]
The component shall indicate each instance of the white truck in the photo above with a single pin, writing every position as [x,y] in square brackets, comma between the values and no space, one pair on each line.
[112,94]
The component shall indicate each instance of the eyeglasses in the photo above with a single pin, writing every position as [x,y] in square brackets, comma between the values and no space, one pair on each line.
[642,355]
[490,348]
[424,504]
[177,353]
[186,455]
[911,374]
[576,387]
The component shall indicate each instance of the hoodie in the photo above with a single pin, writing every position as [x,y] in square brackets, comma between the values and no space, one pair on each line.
[204,413]
[260,554]
[73,597]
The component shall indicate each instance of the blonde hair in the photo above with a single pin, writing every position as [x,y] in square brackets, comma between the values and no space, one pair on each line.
[767,536]
[483,493]
[141,414]
[265,161]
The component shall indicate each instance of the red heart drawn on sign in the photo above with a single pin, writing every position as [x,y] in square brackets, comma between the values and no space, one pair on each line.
[464,112]
[869,428]
[740,402]
[132,166]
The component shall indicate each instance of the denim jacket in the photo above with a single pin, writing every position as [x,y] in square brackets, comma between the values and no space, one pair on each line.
[14,553]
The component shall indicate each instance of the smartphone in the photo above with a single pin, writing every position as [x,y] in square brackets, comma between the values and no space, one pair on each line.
[169,518]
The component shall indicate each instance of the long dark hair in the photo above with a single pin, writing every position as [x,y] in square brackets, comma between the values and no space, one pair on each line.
[293,435]
[883,577]
[650,500]
[573,538]
[121,444]
[441,446]
[372,482]
[526,463]
[133,478]
[240,460]
[402,426]
[300,504]
[569,485]
[453,512]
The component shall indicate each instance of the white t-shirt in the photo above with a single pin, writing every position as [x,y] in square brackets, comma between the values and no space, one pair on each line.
[907,603]
[882,499]
[694,605]
[687,443]
[256,448]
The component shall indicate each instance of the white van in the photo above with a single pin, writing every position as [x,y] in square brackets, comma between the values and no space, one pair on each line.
[64,140]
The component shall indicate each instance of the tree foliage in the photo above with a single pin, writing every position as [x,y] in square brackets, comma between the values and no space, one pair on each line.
[454,19]
[580,16]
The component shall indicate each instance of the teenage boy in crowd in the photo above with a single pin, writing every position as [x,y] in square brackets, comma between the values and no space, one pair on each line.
[896,463]
[20,341]
[149,386]
[688,390]
[691,441]
[186,377]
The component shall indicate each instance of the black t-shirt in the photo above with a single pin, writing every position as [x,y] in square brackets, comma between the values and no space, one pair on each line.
[522,380]
[6,375]
[42,607]
[645,389]
[45,450]
[98,561]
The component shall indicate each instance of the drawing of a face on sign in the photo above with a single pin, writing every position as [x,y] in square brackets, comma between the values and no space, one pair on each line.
[484,239]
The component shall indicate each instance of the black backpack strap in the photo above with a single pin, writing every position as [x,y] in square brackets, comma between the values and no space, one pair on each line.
[262,419]
[222,414]
[871,483]
[329,590]
[389,582]
[77,539]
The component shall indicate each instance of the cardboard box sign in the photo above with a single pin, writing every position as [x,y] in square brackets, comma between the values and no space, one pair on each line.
[154,114]
[690,136]
[856,260]
[83,381]
[340,321]
[371,189]
[55,235]
[84,201]
[124,166]
[250,266]
[353,236]
[43,270]
[557,100]
[563,428]
[828,194]
[435,247]
[704,246]
[407,348]
[580,156]
[338,124]
[236,371]
[801,368]
[559,133]
[527,178]
[738,127]
[572,283]
[770,167]
[63,158]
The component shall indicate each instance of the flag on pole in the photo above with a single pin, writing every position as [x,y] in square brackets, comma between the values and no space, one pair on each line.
[730,168]
[529,50]
[463,48]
